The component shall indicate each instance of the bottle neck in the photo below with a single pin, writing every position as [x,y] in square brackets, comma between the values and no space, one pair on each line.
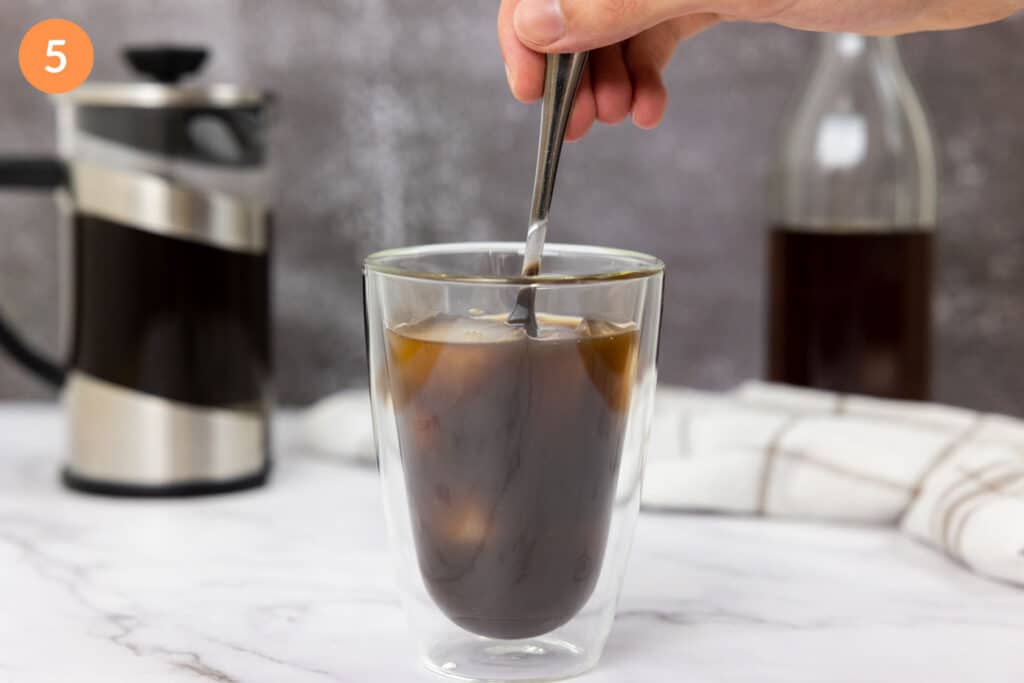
[858,150]
[851,47]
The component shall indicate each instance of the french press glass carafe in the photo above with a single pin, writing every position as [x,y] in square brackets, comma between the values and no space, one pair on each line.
[165,240]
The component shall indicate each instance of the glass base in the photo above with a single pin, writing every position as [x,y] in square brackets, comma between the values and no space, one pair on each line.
[483,659]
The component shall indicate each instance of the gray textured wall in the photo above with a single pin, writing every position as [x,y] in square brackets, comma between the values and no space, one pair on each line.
[395,127]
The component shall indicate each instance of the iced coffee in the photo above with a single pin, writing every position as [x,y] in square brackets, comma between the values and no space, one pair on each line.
[510,445]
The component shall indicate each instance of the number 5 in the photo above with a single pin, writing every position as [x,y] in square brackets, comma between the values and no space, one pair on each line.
[62,58]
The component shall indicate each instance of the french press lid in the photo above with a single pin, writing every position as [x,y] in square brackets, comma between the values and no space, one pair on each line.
[219,124]
[177,159]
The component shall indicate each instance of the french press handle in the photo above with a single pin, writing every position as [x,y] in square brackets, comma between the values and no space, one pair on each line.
[31,173]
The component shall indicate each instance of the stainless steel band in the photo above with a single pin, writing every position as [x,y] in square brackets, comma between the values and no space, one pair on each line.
[148,202]
[122,436]
[157,95]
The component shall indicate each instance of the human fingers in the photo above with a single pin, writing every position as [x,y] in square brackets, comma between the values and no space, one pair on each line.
[577,25]
[524,67]
[613,89]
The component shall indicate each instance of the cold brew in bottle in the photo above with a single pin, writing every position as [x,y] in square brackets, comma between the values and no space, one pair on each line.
[853,217]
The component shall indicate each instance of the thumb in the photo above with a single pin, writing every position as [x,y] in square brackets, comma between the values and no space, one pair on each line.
[575,25]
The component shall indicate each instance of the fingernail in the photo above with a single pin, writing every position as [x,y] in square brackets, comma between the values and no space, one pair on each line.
[539,22]
[508,77]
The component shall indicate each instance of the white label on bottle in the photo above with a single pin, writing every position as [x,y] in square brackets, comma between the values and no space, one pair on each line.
[842,141]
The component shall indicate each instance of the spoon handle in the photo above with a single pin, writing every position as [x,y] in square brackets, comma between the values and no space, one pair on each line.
[561,80]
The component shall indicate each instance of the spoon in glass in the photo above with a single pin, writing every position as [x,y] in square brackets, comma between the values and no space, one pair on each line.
[561,81]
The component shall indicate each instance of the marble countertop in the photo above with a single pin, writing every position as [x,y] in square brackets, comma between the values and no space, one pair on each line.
[293,583]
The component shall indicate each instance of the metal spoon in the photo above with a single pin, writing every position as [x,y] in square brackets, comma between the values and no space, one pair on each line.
[561,80]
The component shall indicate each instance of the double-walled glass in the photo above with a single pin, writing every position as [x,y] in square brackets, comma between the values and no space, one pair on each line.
[511,459]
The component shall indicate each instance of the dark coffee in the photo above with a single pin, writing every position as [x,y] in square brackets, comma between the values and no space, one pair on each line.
[851,311]
[511,446]
[165,316]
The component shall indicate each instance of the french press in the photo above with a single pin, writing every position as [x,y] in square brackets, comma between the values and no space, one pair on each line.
[165,239]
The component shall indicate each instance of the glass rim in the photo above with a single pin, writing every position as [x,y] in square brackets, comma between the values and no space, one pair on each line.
[645,264]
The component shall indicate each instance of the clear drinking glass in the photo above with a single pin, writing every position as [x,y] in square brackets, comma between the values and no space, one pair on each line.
[511,465]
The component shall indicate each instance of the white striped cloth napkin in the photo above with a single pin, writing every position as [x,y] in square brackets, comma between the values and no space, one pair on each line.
[949,477]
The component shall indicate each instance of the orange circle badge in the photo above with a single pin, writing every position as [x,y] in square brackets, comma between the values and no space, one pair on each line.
[55,56]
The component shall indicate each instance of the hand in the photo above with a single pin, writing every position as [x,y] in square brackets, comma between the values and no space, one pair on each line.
[633,40]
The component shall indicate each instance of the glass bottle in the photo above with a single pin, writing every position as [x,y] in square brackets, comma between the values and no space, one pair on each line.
[853,216]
